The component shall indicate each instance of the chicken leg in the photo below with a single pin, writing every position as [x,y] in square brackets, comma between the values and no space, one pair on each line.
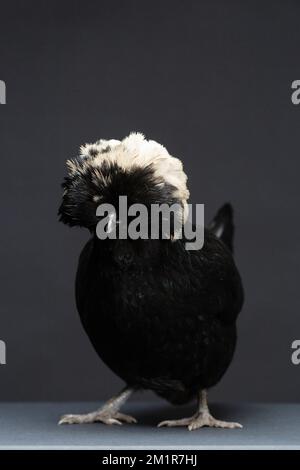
[201,418]
[107,414]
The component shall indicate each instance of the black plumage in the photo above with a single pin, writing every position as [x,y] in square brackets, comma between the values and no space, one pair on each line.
[161,317]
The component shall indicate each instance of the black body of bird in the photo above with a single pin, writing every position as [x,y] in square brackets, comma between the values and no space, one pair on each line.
[161,317]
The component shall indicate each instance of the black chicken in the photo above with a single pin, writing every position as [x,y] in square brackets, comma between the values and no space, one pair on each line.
[161,317]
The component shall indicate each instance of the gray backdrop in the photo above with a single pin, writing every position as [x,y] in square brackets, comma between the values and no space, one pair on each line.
[211,80]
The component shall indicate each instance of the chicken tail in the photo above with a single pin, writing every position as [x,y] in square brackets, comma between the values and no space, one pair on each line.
[222,225]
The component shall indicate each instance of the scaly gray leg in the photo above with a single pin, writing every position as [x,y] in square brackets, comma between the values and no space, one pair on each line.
[201,418]
[107,414]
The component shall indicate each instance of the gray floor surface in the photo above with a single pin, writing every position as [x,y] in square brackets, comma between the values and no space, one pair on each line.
[34,425]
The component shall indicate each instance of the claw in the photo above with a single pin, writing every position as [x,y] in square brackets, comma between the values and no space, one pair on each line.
[175,422]
[126,418]
[112,421]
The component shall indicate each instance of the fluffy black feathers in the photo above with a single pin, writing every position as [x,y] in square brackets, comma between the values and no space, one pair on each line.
[166,319]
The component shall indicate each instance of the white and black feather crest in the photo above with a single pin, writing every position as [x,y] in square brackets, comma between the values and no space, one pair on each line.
[93,170]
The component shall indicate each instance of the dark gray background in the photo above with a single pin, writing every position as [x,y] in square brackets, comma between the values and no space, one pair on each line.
[211,80]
